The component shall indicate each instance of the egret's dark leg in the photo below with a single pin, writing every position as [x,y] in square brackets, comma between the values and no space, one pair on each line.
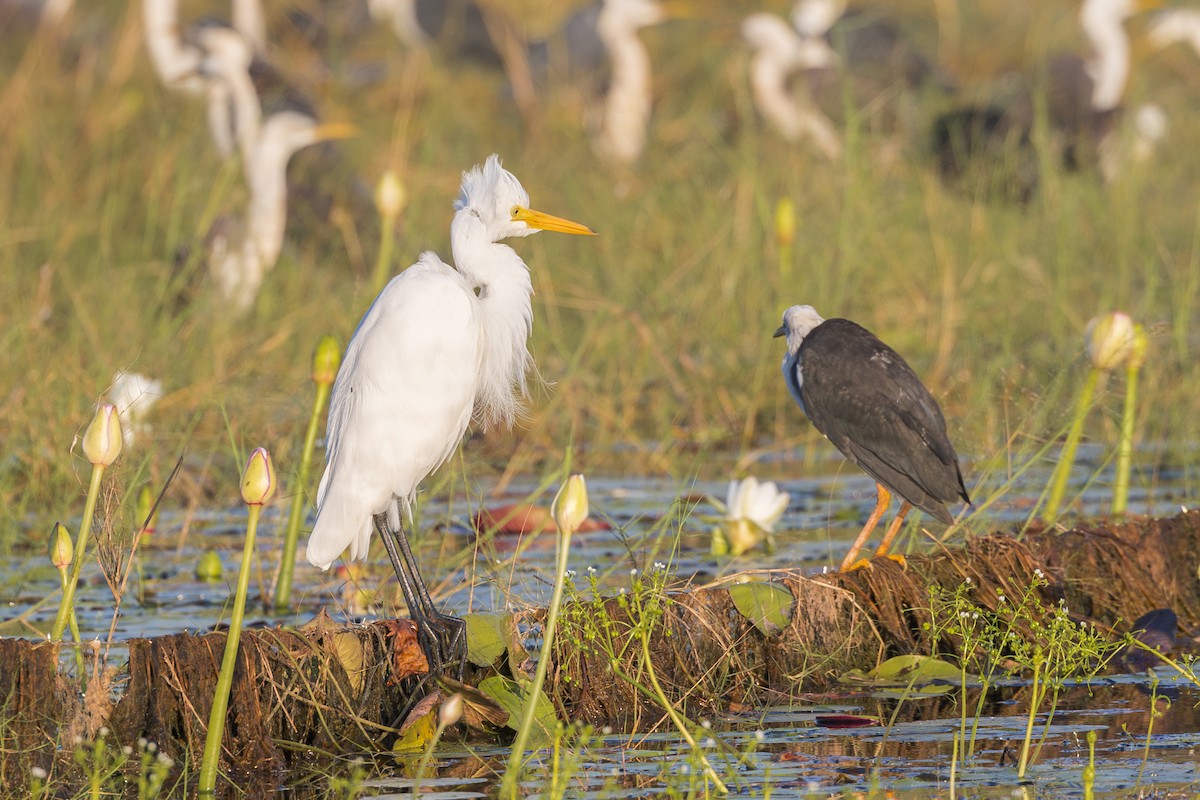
[893,529]
[440,635]
[883,498]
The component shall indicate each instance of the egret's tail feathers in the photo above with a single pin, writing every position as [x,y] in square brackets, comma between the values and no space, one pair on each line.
[339,525]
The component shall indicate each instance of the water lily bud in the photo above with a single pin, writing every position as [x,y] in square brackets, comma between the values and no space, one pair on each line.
[326,360]
[571,503]
[451,710]
[209,567]
[1109,338]
[61,548]
[1141,344]
[390,197]
[258,479]
[102,441]
[785,222]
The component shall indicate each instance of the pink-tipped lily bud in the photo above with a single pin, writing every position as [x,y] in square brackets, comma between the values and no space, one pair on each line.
[785,222]
[1109,338]
[326,360]
[258,479]
[102,441]
[571,503]
[1139,349]
[451,710]
[390,197]
[62,551]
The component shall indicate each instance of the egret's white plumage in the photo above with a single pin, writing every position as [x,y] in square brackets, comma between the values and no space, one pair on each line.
[780,52]
[627,104]
[239,263]
[234,112]
[176,62]
[1175,25]
[438,347]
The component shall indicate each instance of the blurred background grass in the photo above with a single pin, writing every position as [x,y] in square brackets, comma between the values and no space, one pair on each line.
[655,338]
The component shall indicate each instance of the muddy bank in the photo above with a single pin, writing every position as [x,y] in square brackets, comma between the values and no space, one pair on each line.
[326,689]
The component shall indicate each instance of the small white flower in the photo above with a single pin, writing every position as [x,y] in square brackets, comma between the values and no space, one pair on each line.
[127,750]
[1038,572]
[591,570]
[706,724]
[633,572]
[660,566]
[38,773]
[570,573]
[133,395]
[760,735]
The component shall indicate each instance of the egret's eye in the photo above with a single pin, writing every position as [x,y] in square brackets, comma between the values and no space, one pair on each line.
[515,211]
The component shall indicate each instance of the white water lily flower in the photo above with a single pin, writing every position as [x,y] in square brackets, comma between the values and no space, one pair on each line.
[751,512]
[133,394]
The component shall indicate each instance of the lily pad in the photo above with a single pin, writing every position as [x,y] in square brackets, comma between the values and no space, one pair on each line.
[915,672]
[767,605]
[487,637]
[511,697]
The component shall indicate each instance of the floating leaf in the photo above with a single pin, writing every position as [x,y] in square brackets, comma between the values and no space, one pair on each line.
[916,671]
[487,637]
[767,605]
[845,721]
[349,649]
[511,697]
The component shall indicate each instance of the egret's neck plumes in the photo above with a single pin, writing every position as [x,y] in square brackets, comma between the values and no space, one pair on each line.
[1103,22]
[483,217]
[798,322]
[175,63]
[266,178]
[628,102]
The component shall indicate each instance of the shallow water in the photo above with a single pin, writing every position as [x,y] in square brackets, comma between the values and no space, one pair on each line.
[785,749]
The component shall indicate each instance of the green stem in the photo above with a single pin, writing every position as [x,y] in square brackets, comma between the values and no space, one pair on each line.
[1125,448]
[67,605]
[1034,702]
[1067,458]
[220,705]
[383,263]
[670,709]
[1089,772]
[423,764]
[287,561]
[508,787]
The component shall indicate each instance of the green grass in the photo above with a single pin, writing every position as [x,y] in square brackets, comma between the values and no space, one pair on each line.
[655,337]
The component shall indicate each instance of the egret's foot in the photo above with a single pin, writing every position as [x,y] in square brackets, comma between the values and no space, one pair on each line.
[443,641]
[898,558]
[862,563]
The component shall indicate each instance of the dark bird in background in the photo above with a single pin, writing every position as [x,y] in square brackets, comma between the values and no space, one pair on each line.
[866,400]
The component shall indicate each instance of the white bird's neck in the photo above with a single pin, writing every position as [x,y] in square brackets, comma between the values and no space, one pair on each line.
[250,21]
[504,290]
[171,59]
[628,102]
[266,217]
[247,113]
[1103,25]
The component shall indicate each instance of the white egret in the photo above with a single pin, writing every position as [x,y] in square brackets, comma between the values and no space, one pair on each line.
[440,346]
[133,395]
[234,112]
[627,103]
[1175,25]
[240,259]
[779,53]
[1084,97]
[176,62]
[870,404]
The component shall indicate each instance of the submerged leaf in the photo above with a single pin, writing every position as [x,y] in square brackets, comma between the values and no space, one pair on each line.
[511,697]
[767,605]
[420,725]
[349,649]
[487,636]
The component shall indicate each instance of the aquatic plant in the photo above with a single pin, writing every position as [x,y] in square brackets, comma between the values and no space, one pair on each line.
[751,512]
[326,359]
[570,509]
[258,486]
[1133,366]
[1108,341]
[785,237]
[102,444]
[390,199]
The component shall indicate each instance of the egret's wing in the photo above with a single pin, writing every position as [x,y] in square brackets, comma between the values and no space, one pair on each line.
[400,404]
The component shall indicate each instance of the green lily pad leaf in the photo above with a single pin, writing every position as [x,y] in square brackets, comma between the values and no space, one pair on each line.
[919,672]
[511,697]
[767,605]
[487,637]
